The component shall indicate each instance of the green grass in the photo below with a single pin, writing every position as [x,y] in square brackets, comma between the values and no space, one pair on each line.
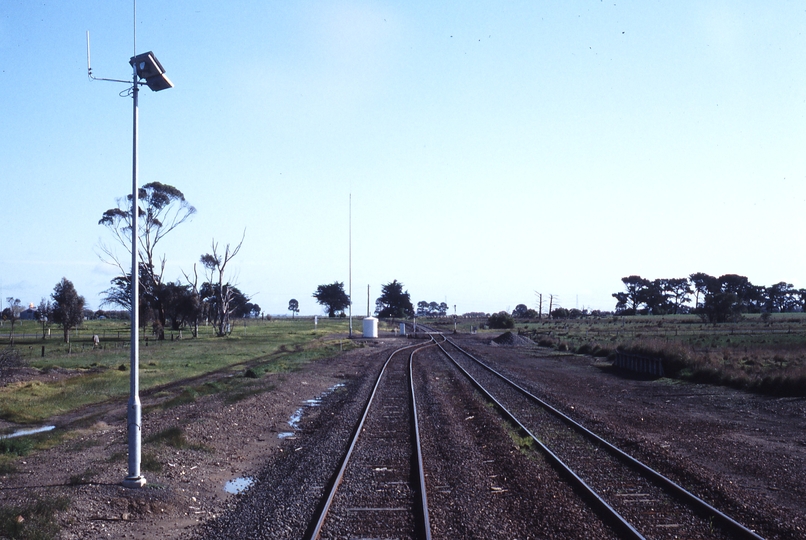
[33,520]
[262,346]
[16,446]
[150,463]
[175,438]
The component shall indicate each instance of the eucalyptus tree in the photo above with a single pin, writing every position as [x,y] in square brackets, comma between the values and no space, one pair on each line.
[293,307]
[678,290]
[635,295]
[782,297]
[703,284]
[161,209]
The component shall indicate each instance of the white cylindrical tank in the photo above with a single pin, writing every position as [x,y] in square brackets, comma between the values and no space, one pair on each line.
[370,327]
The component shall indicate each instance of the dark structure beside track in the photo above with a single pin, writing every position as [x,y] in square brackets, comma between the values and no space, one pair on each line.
[640,364]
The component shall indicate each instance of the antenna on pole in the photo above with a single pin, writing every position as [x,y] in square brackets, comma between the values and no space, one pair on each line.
[89,69]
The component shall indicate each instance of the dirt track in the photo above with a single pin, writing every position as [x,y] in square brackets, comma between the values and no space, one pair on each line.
[745,451]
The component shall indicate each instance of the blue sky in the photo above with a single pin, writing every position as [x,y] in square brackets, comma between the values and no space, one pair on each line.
[492,149]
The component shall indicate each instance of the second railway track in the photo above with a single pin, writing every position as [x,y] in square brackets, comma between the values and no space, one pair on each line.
[637,501]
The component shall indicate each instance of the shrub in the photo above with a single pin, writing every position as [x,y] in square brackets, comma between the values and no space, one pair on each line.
[18,446]
[501,320]
[546,342]
[150,463]
[38,518]
[172,436]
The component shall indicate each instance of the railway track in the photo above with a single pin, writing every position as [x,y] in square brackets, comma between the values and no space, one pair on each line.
[379,489]
[634,499]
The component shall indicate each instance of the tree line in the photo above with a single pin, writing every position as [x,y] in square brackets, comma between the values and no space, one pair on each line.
[65,307]
[715,299]
[209,298]
[394,302]
[432,309]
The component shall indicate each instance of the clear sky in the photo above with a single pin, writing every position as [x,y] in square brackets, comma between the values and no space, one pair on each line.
[492,149]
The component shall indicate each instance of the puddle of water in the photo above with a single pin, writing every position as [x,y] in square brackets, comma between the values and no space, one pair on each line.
[28,431]
[297,416]
[238,485]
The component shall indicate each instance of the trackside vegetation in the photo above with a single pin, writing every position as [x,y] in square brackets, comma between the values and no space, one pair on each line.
[763,353]
[83,373]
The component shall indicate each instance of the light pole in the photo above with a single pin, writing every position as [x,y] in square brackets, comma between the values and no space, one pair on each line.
[144,66]
[146,70]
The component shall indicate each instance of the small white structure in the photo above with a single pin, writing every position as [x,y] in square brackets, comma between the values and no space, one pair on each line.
[402,329]
[370,327]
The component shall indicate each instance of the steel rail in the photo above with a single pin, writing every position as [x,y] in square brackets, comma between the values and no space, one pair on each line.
[736,529]
[425,524]
[315,527]
[605,510]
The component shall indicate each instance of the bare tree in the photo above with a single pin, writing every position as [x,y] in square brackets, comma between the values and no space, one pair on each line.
[216,265]
[13,313]
[196,297]
[161,209]
[43,313]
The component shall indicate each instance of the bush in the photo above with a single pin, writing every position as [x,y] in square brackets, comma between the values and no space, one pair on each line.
[560,313]
[18,446]
[501,320]
[10,357]
[38,518]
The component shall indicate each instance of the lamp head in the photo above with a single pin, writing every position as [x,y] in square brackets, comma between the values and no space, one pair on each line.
[150,69]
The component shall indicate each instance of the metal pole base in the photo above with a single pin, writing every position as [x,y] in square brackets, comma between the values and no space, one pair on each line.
[137,482]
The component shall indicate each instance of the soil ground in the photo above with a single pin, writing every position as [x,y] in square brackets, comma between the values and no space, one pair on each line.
[745,450]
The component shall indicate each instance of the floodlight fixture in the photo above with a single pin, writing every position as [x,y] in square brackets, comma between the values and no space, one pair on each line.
[149,68]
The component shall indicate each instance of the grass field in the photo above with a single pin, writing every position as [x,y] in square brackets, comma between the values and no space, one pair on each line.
[762,354]
[259,346]
[765,354]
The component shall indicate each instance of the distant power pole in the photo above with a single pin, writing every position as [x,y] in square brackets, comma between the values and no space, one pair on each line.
[551,303]
[539,305]
[350,260]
